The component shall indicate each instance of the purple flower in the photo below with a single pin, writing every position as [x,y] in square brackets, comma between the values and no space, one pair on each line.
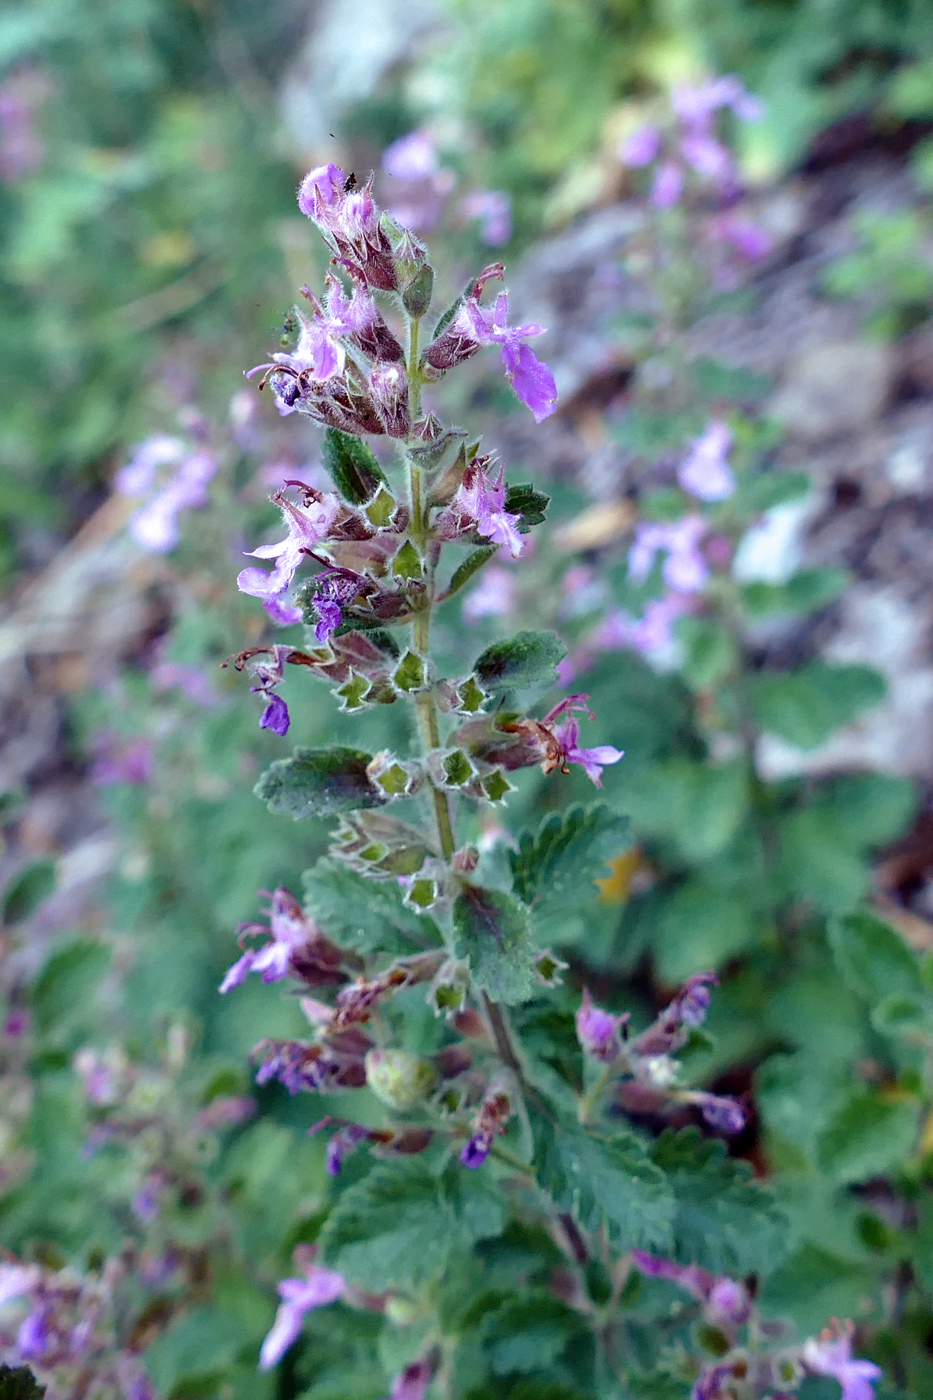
[725,1302]
[710,1384]
[668,185]
[494,210]
[282,612]
[567,734]
[480,500]
[33,1337]
[640,147]
[411,157]
[190,680]
[494,595]
[475,326]
[830,1354]
[295,945]
[722,1113]
[598,1030]
[685,569]
[308,525]
[476,1150]
[321,187]
[705,472]
[750,240]
[275,716]
[22,149]
[155,526]
[343,1141]
[17,1281]
[118,760]
[710,157]
[413,1382]
[317,1289]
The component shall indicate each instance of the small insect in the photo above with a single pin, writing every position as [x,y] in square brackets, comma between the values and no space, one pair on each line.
[350,183]
[289,329]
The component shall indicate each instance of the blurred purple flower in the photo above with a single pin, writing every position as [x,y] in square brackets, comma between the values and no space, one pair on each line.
[494,210]
[316,1289]
[413,1382]
[493,596]
[275,716]
[640,147]
[598,1030]
[22,149]
[119,760]
[155,526]
[190,680]
[685,570]
[830,1354]
[705,473]
[668,185]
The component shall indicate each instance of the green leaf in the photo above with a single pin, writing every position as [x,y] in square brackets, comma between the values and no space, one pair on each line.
[416,297]
[491,929]
[199,1344]
[906,1016]
[477,1202]
[393,1229]
[527,659]
[527,1334]
[724,1220]
[18,1383]
[806,706]
[27,890]
[806,592]
[366,915]
[873,959]
[815,1284]
[869,1136]
[470,566]
[709,652]
[606,1183]
[701,927]
[527,502]
[870,809]
[352,466]
[318,783]
[554,868]
[697,806]
[818,864]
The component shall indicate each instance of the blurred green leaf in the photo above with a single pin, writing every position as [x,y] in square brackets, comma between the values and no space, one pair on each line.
[806,706]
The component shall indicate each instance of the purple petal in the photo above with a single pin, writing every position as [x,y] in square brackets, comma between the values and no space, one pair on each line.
[239,972]
[530,377]
[275,716]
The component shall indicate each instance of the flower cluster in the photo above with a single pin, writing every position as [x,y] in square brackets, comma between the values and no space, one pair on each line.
[691,156]
[65,1327]
[753,1372]
[641,1071]
[168,475]
[421,187]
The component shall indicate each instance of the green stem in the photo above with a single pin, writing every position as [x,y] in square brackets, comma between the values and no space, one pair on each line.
[596,1090]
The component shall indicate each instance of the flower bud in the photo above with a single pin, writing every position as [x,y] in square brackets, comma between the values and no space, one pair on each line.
[598,1030]
[400,1079]
[416,297]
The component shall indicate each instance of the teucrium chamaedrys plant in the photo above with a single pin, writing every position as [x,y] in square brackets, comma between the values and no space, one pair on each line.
[492,1090]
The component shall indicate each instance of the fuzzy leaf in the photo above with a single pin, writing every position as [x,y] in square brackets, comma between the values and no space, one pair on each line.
[367,915]
[526,501]
[527,1334]
[724,1220]
[18,1383]
[868,1137]
[527,659]
[606,1183]
[806,706]
[352,466]
[318,783]
[393,1229]
[27,890]
[873,959]
[470,566]
[554,868]
[491,930]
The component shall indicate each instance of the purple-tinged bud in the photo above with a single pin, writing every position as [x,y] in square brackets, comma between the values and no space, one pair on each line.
[389,388]
[598,1030]
[320,188]
[275,716]
[728,1302]
[342,1142]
